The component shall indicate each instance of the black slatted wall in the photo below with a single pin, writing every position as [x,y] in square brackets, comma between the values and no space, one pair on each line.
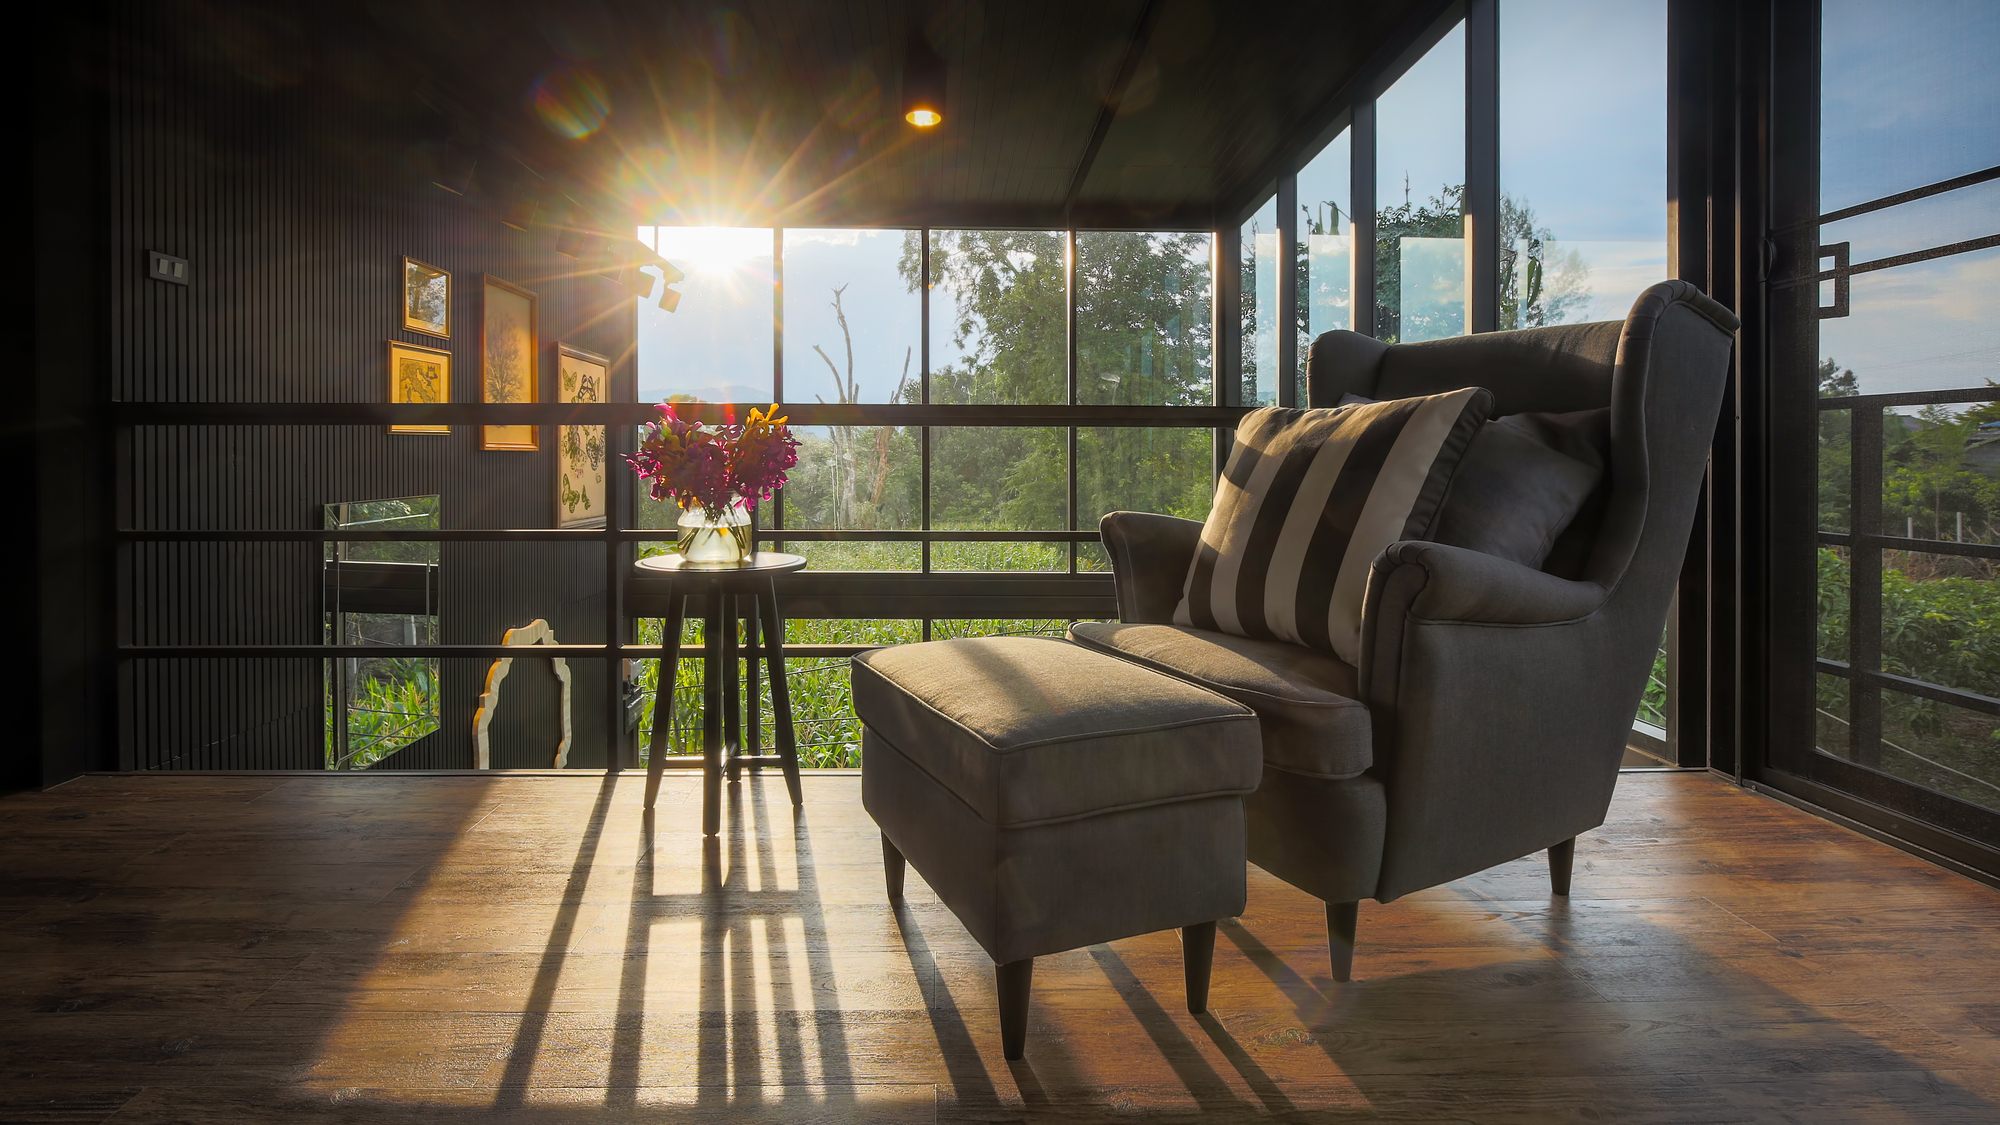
[294,198]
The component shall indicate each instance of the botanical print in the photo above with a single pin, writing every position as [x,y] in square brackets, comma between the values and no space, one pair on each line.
[419,375]
[509,371]
[426,298]
[580,472]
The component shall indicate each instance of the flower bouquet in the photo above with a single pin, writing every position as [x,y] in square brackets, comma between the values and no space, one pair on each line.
[716,474]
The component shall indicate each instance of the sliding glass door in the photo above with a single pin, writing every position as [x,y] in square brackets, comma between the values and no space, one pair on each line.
[1887,468]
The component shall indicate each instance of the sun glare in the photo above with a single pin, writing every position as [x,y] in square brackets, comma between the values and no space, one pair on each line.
[712,249]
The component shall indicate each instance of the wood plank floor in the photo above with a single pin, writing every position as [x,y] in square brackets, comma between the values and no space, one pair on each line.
[214,949]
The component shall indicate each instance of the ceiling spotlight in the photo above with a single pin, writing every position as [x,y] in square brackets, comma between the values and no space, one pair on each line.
[923,83]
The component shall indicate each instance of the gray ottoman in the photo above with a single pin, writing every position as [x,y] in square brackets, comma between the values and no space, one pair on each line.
[1056,797]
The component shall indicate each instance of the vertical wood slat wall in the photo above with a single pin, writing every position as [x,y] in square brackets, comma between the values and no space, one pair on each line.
[294,212]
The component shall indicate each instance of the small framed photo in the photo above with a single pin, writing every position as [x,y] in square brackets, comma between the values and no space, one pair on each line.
[581,376]
[426,299]
[419,374]
[507,351]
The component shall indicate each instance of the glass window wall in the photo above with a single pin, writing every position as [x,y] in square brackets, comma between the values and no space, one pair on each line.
[1908,505]
[717,347]
[1583,158]
[1326,231]
[1420,245]
[1259,306]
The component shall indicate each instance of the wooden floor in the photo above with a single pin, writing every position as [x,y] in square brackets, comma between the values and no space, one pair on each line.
[354,948]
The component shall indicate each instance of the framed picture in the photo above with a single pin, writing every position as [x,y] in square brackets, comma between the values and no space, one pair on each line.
[581,376]
[418,374]
[507,353]
[426,298]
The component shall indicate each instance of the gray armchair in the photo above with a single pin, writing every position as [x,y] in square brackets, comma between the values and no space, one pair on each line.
[1493,701]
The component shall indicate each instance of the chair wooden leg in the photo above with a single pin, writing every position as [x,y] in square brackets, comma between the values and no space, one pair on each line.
[1197,958]
[1016,979]
[892,869]
[1562,857]
[1342,918]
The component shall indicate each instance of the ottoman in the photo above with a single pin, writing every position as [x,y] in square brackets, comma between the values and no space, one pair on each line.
[1056,797]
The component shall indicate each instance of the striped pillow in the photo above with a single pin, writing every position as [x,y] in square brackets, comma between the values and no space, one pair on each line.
[1308,500]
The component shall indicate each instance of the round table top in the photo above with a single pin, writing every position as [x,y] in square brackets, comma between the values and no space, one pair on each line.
[763,564]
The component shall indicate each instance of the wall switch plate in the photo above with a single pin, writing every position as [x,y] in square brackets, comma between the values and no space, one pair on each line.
[166,267]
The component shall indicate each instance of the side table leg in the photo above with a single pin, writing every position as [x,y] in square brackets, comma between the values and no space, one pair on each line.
[781,691]
[753,694]
[662,742]
[732,688]
[711,714]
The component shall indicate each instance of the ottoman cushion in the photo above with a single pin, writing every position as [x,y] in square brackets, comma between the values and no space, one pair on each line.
[1035,730]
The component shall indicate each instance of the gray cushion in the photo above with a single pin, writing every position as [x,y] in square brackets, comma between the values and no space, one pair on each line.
[1305,700]
[1028,730]
[1521,483]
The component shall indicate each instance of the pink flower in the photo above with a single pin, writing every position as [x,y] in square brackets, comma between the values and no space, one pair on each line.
[692,464]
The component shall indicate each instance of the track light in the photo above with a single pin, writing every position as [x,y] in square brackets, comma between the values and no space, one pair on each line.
[923,83]
[637,281]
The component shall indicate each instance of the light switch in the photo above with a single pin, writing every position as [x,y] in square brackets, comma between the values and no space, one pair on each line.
[166,267]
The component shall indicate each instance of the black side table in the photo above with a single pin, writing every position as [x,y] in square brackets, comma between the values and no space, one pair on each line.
[725,589]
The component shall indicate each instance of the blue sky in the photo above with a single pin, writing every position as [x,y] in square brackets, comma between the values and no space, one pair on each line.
[1909,97]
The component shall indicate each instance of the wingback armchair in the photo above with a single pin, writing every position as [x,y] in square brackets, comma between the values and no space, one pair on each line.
[1493,701]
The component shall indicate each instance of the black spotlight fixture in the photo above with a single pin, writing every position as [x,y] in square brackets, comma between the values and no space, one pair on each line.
[923,83]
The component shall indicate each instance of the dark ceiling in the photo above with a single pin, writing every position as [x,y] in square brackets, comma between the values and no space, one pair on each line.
[1101,112]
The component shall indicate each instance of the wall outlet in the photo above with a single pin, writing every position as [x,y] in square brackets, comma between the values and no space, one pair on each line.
[166,267]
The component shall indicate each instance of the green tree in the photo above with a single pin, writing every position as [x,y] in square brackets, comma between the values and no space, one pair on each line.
[1143,337]
[1836,450]
[1928,488]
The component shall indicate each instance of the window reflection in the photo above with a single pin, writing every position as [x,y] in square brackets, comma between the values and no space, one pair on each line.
[1583,158]
[1260,306]
[1420,290]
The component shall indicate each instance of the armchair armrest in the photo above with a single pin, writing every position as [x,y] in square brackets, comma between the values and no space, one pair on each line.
[1149,562]
[1415,584]
[1435,582]
[1500,697]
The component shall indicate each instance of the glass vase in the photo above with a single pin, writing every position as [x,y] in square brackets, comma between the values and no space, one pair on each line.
[715,542]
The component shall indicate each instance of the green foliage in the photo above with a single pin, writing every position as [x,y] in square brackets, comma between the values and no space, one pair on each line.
[1941,628]
[409,513]
[393,705]
[1928,487]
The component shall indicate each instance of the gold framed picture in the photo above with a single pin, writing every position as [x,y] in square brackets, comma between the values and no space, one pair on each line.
[426,298]
[419,374]
[507,351]
[581,452]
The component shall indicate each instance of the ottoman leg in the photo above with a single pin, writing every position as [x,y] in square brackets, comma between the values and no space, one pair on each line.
[1342,919]
[892,869]
[1197,956]
[1016,979]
